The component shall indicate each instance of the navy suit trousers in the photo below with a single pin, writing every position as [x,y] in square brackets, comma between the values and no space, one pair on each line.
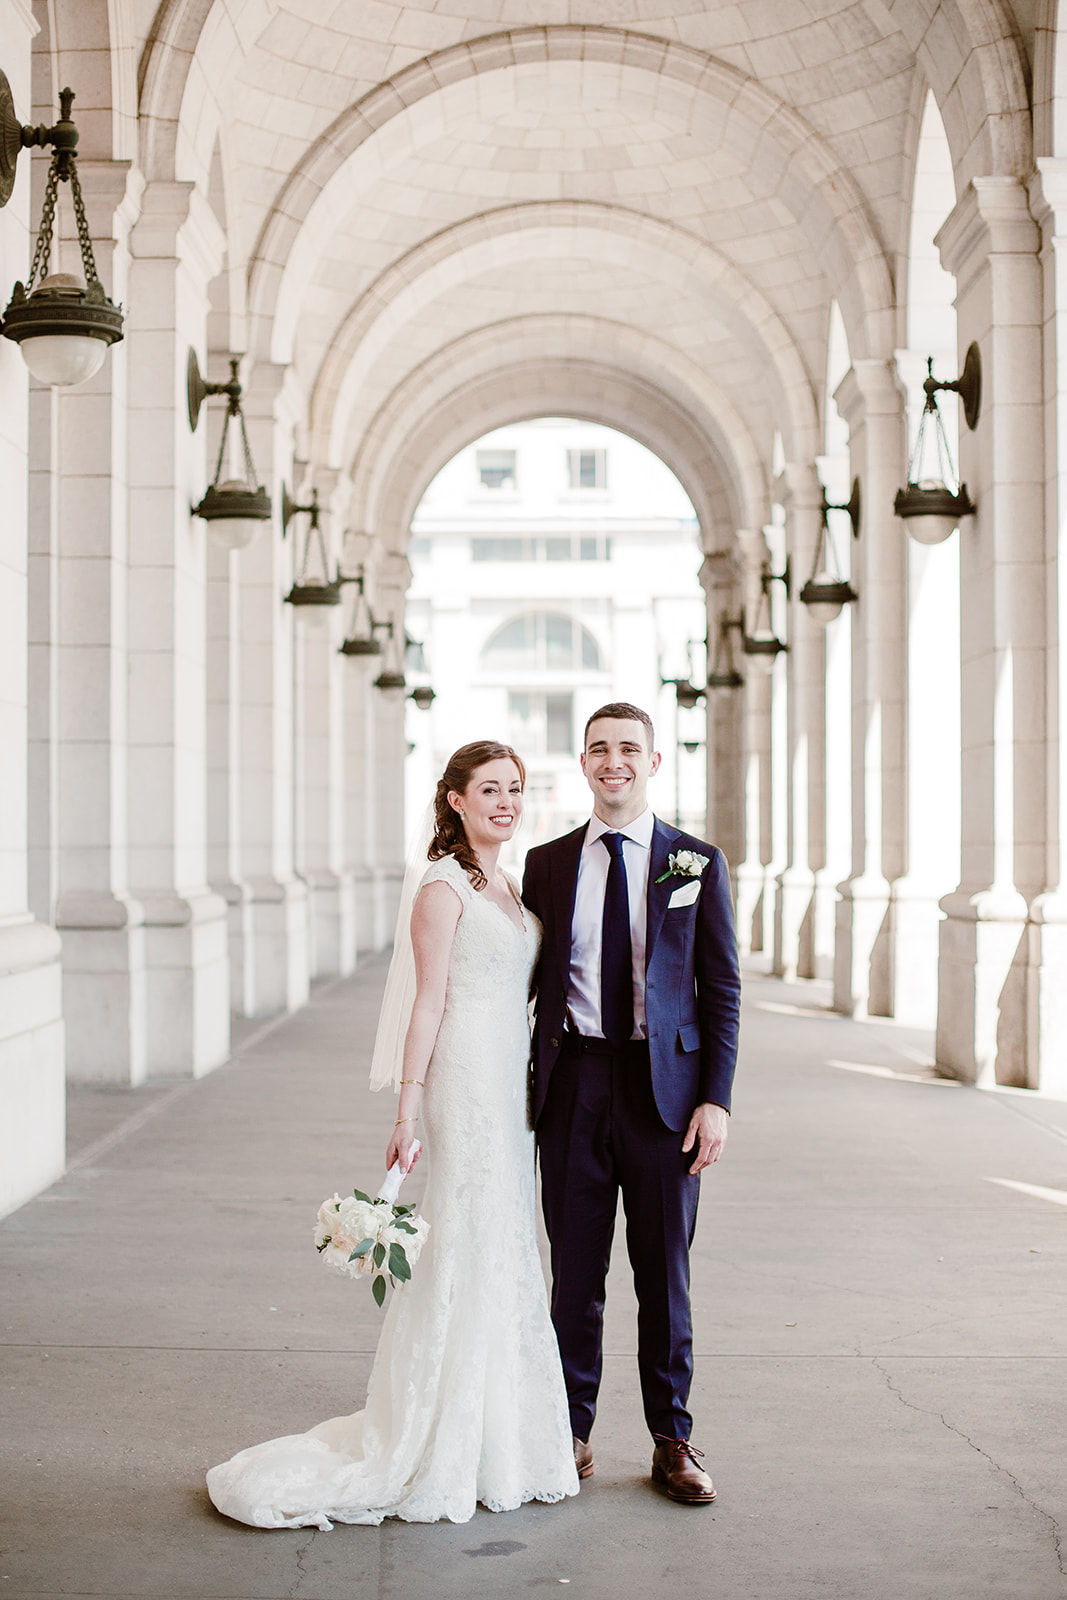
[600,1132]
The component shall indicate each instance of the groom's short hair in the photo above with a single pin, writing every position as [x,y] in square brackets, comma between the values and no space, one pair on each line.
[623,711]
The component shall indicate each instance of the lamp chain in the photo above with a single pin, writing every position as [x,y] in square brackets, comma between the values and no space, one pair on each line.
[62,167]
[84,241]
[42,255]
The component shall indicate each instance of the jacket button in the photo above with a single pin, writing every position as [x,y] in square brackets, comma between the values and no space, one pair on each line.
[554,1043]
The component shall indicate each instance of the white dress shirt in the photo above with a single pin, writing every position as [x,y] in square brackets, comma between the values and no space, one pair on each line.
[583,989]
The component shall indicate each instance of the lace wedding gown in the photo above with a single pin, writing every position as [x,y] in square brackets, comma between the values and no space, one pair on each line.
[466,1400]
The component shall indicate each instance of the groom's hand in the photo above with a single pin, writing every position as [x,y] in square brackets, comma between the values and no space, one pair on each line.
[707,1130]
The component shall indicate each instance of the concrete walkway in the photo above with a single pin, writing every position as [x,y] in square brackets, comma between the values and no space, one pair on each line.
[882,1333]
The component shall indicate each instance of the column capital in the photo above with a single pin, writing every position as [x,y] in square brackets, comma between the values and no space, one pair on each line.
[719,571]
[176,221]
[802,486]
[1048,194]
[991,217]
[869,388]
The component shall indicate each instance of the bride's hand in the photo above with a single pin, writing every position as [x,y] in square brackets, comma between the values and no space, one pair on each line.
[401,1148]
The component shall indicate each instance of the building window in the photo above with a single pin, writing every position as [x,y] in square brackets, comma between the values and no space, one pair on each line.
[496,469]
[587,469]
[542,641]
[578,548]
[541,724]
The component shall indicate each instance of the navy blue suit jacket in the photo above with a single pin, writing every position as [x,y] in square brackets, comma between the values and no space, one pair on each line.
[692,981]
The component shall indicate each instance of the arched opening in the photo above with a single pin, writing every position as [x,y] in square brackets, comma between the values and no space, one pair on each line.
[554,569]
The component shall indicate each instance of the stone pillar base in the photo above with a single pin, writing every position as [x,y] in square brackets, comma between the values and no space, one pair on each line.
[982,971]
[241,945]
[1046,993]
[371,931]
[794,919]
[188,983]
[751,908]
[863,948]
[104,994]
[916,925]
[278,928]
[331,923]
[33,1127]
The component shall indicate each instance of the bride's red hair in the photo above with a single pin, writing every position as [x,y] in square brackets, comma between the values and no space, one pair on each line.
[450,836]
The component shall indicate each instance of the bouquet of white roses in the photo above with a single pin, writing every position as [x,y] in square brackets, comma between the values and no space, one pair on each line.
[361,1237]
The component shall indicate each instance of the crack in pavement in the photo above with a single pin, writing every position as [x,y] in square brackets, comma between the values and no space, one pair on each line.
[926,1411]
[301,1552]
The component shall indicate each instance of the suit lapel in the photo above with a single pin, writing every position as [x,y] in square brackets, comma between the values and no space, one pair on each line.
[663,837]
[563,861]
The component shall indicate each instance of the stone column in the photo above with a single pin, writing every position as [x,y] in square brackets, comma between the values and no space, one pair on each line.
[318,707]
[754,913]
[933,739]
[795,937]
[990,243]
[390,742]
[31,1030]
[177,248]
[224,864]
[725,821]
[870,401]
[277,959]
[1046,992]
[102,923]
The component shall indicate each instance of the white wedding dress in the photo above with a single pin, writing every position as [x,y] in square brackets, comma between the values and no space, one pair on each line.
[466,1401]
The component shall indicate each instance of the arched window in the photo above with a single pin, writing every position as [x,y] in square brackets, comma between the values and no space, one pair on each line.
[542,641]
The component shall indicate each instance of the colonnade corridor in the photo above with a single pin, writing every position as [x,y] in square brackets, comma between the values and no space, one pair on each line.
[881,1344]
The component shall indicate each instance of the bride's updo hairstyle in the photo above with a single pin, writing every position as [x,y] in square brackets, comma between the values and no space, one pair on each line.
[449,836]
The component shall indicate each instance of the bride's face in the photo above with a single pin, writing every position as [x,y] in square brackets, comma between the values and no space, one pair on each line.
[491,804]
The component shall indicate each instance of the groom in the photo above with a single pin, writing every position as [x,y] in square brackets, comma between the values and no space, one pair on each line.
[634,1049]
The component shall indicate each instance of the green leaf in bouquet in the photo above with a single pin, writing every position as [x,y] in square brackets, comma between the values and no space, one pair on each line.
[378,1290]
[398,1262]
[359,1195]
[361,1249]
[379,1254]
[406,1226]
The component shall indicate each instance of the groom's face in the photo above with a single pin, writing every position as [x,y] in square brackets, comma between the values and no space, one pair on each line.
[618,763]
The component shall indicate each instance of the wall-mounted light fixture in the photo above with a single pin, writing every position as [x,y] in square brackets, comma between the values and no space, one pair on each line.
[391,679]
[930,507]
[762,645]
[826,591]
[310,589]
[361,639]
[65,325]
[686,694]
[724,673]
[233,508]
[423,696]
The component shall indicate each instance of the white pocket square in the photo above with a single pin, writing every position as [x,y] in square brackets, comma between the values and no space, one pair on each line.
[685,895]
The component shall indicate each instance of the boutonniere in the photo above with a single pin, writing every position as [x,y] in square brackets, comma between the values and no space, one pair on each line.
[684,864]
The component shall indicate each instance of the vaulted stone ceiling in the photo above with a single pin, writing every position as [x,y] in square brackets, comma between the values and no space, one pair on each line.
[672,193]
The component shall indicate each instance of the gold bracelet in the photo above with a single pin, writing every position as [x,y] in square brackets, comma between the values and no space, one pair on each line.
[399,1120]
[421,1082]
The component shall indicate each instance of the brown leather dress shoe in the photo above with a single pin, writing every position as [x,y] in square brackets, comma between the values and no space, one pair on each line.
[674,1466]
[583,1457]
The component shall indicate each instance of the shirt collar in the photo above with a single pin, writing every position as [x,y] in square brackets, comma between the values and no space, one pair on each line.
[640,830]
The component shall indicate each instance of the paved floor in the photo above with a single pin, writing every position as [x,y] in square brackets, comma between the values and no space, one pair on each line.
[881,1328]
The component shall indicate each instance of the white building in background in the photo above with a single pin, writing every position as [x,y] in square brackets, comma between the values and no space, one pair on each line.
[555,568]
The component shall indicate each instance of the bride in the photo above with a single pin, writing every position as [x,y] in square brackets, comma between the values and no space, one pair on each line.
[466,1402]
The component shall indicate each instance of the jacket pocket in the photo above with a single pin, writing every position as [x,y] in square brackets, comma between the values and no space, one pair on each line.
[689,1037]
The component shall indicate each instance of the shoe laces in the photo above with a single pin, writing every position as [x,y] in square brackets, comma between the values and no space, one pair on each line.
[682,1445]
